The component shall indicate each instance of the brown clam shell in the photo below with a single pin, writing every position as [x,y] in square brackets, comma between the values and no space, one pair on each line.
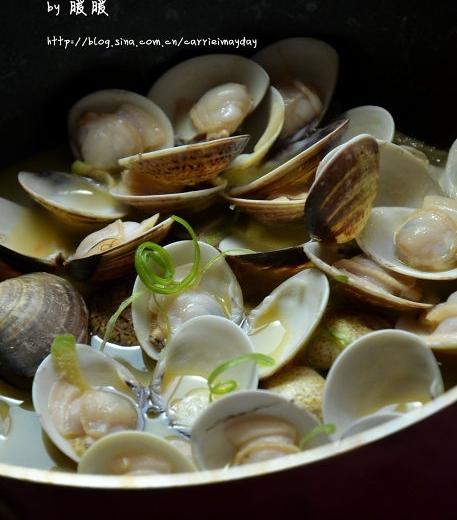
[297,174]
[260,273]
[340,200]
[34,308]
[171,170]
[117,261]
[270,211]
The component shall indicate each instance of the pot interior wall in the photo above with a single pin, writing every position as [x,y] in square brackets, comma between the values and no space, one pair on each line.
[391,54]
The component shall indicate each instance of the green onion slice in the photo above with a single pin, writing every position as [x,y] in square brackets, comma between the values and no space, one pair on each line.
[150,253]
[63,352]
[327,428]
[230,385]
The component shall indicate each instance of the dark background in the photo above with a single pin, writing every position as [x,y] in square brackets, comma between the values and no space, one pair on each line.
[399,54]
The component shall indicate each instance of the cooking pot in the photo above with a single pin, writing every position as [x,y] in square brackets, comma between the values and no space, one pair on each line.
[394,54]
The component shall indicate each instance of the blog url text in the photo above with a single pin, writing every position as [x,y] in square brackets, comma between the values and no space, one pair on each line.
[108,43]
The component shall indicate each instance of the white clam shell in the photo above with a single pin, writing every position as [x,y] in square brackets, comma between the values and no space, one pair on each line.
[218,281]
[75,200]
[100,458]
[377,241]
[99,371]
[311,61]
[263,126]
[106,101]
[200,345]
[187,201]
[400,168]
[114,259]
[438,342]
[183,85]
[323,257]
[29,236]
[447,177]
[369,119]
[366,423]
[280,326]
[210,447]
[378,372]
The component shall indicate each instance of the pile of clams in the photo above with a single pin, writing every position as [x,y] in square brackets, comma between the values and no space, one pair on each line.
[305,296]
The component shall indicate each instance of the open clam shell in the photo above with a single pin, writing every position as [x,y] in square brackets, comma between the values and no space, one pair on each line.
[436,327]
[173,169]
[384,371]
[218,292]
[34,308]
[399,167]
[292,171]
[108,101]
[189,359]
[324,256]
[186,202]
[263,126]
[260,273]
[280,326]
[101,373]
[312,62]
[112,252]
[76,201]
[134,453]
[339,202]
[213,448]
[279,211]
[369,119]
[29,241]
[177,91]
[447,176]
[377,241]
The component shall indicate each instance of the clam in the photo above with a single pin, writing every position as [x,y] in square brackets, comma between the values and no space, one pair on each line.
[367,280]
[437,327]
[400,167]
[29,240]
[277,211]
[418,243]
[174,169]
[99,398]
[216,96]
[250,426]
[107,125]
[34,308]
[189,359]
[304,70]
[134,453]
[260,273]
[209,95]
[388,371]
[157,317]
[282,324]
[33,241]
[369,119]
[263,127]
[447,176]
[193,201]
[290,172]
[109,253]
[339,202]
[77,201]
[261,256]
